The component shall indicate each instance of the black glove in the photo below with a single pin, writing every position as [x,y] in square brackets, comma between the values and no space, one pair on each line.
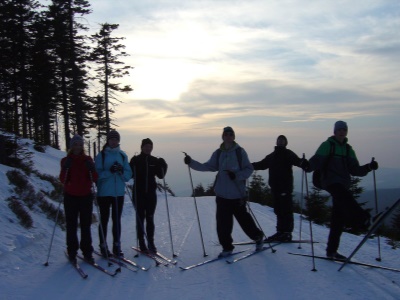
[116,167]
[231,175]
[304,164]
[373,165]
[187,159]
[120,168]
[67,163]
[89,165]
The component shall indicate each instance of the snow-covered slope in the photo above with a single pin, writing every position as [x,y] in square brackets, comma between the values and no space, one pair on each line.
[264,276]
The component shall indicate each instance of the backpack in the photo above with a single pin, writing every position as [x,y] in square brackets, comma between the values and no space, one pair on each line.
[320,173]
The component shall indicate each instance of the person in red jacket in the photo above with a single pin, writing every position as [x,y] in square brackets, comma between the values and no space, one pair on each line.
[77,174]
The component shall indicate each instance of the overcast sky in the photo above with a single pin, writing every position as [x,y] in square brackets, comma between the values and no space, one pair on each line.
[263,67]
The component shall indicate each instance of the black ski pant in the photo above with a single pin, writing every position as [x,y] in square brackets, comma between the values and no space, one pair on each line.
[345,212]
[283,209]
[226,210]
[78,208]
[115,204]
[146,207]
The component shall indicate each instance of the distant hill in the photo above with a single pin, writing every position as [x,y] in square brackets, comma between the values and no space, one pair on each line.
[386,178]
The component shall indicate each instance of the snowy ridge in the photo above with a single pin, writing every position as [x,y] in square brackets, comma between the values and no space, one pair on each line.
[263,276]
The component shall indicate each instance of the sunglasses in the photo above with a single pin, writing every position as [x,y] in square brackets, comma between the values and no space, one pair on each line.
[228,134]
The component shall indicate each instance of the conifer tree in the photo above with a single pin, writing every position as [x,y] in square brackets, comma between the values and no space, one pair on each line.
[316,208]
[259,192]
[106,55]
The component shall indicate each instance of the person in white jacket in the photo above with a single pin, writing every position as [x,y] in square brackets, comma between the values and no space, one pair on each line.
[233,167]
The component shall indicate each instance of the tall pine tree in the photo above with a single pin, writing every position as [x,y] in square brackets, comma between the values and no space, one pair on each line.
[106,55]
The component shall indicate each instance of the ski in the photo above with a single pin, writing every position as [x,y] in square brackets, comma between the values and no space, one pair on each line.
[98,267]
[132,263]
[77,267]
[374,226]
[266,242]
[123,262]
[350,262]
[157,259]
[210,261]
[162,256]
[251,253]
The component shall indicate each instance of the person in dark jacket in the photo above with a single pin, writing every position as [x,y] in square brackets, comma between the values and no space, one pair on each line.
[336,181]
[234,168]
[77,174]
[279,164]
[145,168]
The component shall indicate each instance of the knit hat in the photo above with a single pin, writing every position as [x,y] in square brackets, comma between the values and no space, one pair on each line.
[228,129]
[340,125]
[146,141]
[75,139]
[282,137]
[113,135]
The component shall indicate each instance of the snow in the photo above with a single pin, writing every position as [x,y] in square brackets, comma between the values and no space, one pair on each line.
[265,275]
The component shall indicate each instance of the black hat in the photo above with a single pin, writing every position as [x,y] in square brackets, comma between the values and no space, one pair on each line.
[146,141]
[75,139]
[340,125]
[113,135]
[228,129]
[282,137]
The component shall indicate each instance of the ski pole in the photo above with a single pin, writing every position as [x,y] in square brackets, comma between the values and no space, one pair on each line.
[259,226]
[138,220]
[247,199]
[117,223]
[195,205]
[56,220]
[134,194]
[301,205]
[96,204]
[379,258]
[169,221]
[311,232]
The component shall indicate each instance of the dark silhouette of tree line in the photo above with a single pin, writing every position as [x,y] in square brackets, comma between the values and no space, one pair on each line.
[53,75]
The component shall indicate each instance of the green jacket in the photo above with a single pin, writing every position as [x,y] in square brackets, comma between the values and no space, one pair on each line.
[341,166]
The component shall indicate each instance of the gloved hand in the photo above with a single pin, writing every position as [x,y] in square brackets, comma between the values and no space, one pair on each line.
[120,168]
[67,163]
[231,175]
[373,165]
[89,165]
[187,159]
[304,164]
[116,167]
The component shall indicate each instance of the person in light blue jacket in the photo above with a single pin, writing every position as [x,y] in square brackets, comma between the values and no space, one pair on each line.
[113,168]
[233,166]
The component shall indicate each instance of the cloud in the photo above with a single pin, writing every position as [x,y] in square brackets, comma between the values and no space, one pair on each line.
[261,66]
